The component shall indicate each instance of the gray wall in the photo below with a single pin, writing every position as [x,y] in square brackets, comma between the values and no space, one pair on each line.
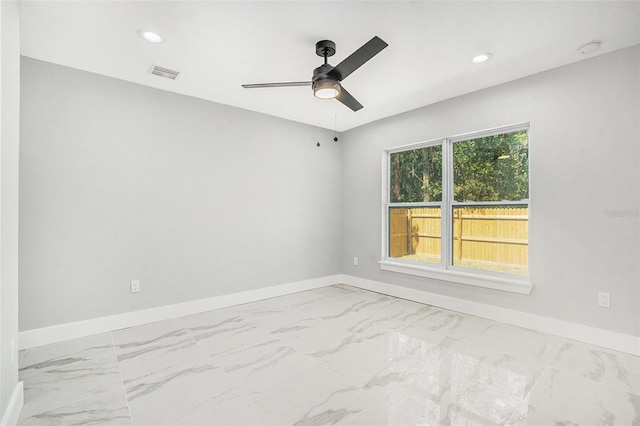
[9,125]
[195,199]
[119,182]
[584,159]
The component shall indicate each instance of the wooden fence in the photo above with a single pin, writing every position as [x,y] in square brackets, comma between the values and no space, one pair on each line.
[490,238]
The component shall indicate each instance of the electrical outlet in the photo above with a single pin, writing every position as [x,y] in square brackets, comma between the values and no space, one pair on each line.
[604,299]
[135,286]
[355,261]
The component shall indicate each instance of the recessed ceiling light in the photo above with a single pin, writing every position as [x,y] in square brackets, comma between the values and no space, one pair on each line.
[150,36]
[483,57]
[589,47]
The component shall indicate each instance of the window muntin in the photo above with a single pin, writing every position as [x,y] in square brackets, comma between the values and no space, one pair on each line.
[476,188]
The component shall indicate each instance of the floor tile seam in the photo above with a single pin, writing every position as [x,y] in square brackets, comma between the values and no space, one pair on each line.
[203,350]
[538,409]
[97,355]
[375,400]
[319,291]
[274,383]
[243,390]
[103,355]
[359,339]
[374,310]
[328,397]
[484,345]
[234,383]
[329,368]
[553,411]
[271,419]
[74,402]
[470,414]
[489,363]
[614,352]
[243,315]
[353,400]
[177,417]
[544,370]
[211,357]
[343,296]
[447,352]
[124,390]
[58,406]
[369,304]
[337,291]
[188,418]
[597,383]
[580,343]
[418,324]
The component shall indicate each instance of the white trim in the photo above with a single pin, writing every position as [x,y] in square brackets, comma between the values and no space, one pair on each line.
[447,271]
[596,336]
[413,145]
[583,333]
[14,408]
[475,279]
[386,194]
[491,132]
[58,333]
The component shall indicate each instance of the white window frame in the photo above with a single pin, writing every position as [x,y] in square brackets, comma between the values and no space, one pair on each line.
[446,271]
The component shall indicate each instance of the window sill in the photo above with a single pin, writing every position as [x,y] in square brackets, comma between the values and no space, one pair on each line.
[522,286]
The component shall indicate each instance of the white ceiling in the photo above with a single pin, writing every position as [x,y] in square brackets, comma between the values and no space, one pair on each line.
[218,45]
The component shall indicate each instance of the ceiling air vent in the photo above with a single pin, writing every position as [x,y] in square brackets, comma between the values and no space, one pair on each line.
[165,72]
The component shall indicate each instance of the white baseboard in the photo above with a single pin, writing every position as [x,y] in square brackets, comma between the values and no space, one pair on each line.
[592,335]
[14,408]
[58,333]
[583,333]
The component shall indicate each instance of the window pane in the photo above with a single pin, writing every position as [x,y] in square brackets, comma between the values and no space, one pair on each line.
[492,168]
[414,233]
[492,238]
[416,175]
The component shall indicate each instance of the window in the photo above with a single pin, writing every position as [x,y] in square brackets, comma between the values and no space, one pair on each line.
[459,207]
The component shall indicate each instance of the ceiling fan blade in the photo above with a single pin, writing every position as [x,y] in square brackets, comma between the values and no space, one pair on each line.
[286,84]
[357,58]
[346,98]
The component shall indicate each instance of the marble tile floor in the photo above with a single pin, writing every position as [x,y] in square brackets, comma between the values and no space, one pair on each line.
[336,355]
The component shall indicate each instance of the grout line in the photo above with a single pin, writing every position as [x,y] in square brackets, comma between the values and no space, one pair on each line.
[474,339]
[124,391]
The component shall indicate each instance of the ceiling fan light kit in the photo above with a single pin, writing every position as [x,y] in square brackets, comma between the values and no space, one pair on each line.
[326,89]
[326,80]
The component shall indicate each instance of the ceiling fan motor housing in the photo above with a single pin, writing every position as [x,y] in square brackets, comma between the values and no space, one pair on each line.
[321,80]
[321,73]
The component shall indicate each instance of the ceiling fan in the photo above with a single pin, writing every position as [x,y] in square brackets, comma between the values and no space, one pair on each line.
[327,78]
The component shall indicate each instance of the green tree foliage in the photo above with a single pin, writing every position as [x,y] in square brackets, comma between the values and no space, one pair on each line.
[492,168]
[416,175]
